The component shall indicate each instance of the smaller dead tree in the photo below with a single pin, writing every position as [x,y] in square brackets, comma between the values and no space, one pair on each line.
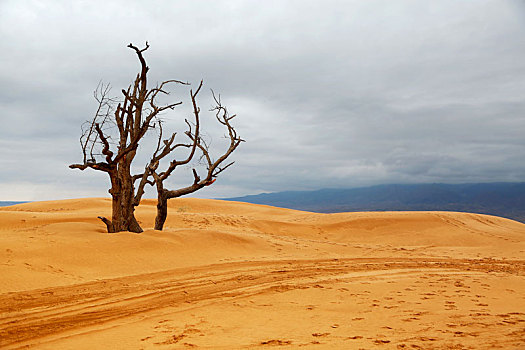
[197,146]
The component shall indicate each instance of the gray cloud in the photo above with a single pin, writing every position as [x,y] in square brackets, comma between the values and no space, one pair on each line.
[328,93]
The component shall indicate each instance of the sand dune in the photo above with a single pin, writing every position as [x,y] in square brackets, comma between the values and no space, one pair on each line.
[228,275]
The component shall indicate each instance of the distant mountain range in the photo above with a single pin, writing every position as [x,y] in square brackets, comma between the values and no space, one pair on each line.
[8,203]
[501,199]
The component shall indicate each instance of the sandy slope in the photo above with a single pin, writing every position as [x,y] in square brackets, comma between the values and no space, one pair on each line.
[233,275]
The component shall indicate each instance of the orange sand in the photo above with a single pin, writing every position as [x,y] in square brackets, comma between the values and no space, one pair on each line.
[227,275]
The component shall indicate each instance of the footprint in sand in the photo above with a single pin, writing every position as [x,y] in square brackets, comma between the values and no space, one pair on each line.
[276,342]
[320,334]
[174,339]
[355,337]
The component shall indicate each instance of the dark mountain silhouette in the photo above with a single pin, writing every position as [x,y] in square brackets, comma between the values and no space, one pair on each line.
[8,203]
[501,199]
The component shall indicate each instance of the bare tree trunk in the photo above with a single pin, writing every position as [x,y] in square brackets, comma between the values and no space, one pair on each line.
[123,208]
[162,210]
[162,200]
[122,218]
[123,214]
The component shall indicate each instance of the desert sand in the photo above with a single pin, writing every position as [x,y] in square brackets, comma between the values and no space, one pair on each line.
[228,275]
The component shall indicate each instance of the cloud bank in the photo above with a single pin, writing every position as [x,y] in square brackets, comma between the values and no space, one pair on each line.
[327,93]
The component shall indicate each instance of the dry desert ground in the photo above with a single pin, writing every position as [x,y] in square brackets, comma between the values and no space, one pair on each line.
[229,275]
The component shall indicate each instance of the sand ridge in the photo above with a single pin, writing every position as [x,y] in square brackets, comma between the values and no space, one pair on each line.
[234,275]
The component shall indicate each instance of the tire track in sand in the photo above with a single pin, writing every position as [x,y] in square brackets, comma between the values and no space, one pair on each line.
[30,315]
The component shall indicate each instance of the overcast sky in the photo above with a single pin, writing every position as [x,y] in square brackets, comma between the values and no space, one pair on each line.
[327,93]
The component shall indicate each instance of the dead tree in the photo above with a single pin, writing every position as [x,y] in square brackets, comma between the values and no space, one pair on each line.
[196,145]
[110,141]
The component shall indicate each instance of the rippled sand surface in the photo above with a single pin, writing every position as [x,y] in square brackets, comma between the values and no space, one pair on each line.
[227,275]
